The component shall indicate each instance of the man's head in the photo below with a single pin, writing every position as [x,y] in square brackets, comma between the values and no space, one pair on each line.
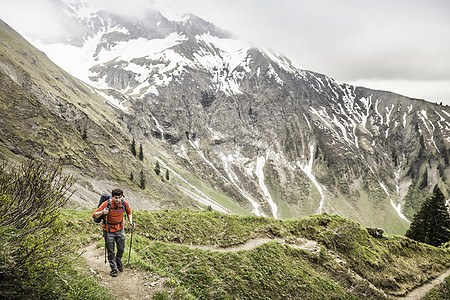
[117,194]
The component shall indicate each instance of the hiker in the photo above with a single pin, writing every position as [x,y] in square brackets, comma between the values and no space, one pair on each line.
[113,228]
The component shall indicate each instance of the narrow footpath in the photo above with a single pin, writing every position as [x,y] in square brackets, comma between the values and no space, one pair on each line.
[131,284]
[421,291]
[135,284]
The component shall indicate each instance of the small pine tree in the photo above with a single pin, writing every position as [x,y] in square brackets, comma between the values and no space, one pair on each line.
[131,176]
[157,168]
[167,174]
[142,181]
[424,182]
[141,152]
[431,224]
[84,135]
[133,147]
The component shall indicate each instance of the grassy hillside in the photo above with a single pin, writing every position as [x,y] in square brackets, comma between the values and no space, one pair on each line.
[201,254]
[190,249]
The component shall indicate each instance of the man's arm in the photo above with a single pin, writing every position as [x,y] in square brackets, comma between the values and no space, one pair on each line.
[130,216]
[130,219]
[98,214]
[101,210]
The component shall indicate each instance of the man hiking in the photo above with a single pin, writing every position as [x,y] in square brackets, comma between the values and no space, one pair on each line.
[113,228]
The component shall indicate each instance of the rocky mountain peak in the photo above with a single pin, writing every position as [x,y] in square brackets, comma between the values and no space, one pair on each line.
[278,140]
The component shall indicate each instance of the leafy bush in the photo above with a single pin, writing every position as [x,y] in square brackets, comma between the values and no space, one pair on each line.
[37,256]
[31,196]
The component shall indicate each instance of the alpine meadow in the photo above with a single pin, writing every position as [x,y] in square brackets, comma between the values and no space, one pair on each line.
[248,177]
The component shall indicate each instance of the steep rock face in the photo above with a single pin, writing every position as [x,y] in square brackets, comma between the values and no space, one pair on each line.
[305,144]
[281,141]
[49,115]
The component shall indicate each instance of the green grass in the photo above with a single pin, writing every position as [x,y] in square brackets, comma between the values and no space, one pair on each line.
[271,271]
[162,239]
[164,243]
[69,282]
[442,292]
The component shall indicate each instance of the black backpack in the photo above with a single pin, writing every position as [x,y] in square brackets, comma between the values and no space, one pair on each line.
[103,198]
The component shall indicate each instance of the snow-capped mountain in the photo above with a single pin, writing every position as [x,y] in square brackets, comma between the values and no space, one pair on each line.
[149,53]
[279,140]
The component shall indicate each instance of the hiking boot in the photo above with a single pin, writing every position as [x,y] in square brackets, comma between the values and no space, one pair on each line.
[119,266]
[113,273]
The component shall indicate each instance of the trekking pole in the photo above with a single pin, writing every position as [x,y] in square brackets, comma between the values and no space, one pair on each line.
[106,244]
[131,242]
[105,234]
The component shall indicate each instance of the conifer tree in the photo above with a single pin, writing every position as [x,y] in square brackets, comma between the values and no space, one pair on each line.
[84,135]
[157,168]
[133,147]
[141,152]
[142,181]
[167,174]
[431,224]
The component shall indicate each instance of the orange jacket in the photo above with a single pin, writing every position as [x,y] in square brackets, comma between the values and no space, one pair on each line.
[114,219]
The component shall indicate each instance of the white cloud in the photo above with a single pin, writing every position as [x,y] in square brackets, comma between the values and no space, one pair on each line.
[402,44]
[30,18]
[398,43]
[433,91]
[133,8]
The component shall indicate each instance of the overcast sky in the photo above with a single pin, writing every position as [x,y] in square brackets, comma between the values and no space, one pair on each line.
[401,46]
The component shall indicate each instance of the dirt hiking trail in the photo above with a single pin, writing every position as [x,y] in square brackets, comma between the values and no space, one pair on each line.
[133,284]
[130,284]
[421,291]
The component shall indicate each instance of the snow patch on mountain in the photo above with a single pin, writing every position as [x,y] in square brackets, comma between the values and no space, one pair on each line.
[81,58]
[140,47]
[339,124]
[324,118]
[227,160]
[367,103]
[230,52]
[398,207]
[423,116]
[388,115]
[221,58]
[260,162]
[88,56]
[195,193]
[113,101]
[158,126]
[348,98]
[307,169]
[282,61]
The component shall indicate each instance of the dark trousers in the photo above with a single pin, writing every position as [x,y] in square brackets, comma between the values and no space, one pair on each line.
[112,239]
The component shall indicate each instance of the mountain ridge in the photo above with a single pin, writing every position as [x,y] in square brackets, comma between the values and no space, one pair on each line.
[278,140]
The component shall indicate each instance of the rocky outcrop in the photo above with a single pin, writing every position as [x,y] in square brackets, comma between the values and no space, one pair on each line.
[375,232]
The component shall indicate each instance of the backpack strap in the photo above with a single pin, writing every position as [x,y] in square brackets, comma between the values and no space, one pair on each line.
[108,206]
[105,219]
[108,228]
